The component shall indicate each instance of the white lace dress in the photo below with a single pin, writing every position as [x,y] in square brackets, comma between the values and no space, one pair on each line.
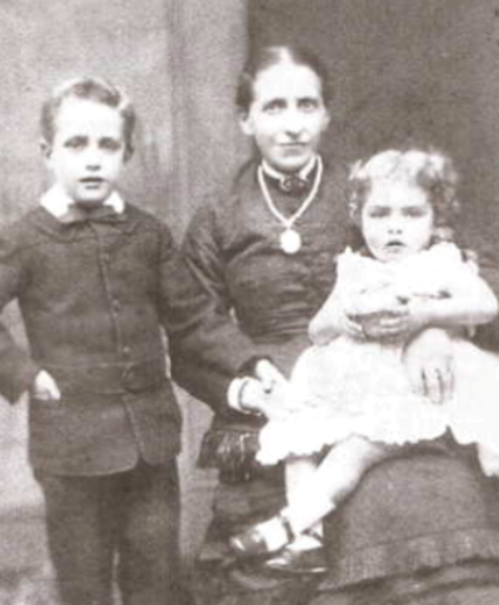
[358,387]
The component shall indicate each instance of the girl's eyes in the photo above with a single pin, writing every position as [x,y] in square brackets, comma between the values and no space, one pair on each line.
[76,143]
[415,212]
[411,212]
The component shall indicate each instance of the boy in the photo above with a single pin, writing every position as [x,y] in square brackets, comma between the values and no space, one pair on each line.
[96,278]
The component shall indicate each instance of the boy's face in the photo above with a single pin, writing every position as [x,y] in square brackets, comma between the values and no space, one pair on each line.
[88,150]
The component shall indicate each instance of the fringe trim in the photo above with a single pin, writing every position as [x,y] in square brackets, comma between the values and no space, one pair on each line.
[231,451]
[406,557]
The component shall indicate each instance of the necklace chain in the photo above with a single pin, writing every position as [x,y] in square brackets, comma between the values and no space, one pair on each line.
[288,222]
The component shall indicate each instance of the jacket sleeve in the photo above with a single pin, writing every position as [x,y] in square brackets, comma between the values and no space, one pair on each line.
[17,368]
[207,348]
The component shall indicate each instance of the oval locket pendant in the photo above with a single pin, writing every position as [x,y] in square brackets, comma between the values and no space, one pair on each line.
[290,241]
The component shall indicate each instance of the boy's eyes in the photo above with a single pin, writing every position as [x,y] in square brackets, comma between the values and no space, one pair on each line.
[79,143]
[110,144]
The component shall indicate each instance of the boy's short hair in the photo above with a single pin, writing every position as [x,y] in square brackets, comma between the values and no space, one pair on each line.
[92,89]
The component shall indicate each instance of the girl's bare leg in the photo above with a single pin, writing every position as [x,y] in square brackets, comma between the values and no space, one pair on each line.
[336,477]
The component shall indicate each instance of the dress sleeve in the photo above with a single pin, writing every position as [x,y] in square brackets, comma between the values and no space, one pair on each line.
[488,268]
[207,347]
[17,368]
[325,325]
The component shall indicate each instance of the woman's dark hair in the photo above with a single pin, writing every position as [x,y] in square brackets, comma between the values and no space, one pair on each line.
[268,56]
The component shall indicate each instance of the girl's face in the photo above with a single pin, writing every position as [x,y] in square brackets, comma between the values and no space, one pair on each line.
[397,220]
[287,116]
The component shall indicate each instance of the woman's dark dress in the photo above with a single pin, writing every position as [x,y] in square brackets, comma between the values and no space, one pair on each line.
[425,519]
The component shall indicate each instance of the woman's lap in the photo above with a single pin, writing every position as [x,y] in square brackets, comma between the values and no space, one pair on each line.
[468,583]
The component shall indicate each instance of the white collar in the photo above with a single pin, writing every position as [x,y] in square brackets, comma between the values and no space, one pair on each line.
[303,173]
[57,201]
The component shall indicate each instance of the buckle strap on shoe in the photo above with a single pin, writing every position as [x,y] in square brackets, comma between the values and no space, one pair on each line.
[286,525]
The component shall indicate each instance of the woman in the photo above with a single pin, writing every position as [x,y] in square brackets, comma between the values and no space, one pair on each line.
[423,525]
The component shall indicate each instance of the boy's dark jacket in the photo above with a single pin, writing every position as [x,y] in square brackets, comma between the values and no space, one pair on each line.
[93,297]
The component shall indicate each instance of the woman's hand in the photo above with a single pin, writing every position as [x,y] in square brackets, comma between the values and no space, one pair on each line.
[429,364]
[45,388]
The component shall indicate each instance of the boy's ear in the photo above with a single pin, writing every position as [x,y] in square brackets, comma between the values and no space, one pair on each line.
[246,124]
[46,149]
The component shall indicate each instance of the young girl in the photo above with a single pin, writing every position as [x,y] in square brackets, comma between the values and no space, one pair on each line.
[351,388]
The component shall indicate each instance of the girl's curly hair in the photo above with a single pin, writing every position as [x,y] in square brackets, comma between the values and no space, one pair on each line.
[430,170]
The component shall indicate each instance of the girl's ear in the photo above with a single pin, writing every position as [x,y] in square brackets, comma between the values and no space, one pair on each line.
[246,124]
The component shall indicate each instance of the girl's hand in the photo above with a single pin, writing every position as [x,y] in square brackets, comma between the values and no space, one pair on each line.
[407,317]
[388,325]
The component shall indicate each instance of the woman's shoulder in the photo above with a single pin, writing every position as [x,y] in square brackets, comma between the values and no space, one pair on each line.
[220,209]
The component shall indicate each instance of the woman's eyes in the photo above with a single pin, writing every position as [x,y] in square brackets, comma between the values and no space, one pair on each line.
[279,105]
[308,104]
[274,107]
[379,213]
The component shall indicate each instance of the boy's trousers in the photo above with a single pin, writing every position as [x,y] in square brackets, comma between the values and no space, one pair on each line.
[129,518]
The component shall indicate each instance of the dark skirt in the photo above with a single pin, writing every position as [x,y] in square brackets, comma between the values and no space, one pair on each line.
[427,521]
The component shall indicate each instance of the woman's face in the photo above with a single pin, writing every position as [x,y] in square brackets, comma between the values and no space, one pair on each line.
[287,116]
[397,220]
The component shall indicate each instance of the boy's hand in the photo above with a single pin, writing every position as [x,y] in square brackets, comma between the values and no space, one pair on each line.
[45,387]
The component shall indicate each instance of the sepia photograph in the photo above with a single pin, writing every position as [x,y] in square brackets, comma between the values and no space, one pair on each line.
[249,295]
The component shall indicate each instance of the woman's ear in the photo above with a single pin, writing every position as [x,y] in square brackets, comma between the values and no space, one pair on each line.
[327,120]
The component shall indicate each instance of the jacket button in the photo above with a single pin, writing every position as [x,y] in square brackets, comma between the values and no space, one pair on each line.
[126,351]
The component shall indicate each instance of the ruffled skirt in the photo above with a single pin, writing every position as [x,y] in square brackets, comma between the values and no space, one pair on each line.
[348,388]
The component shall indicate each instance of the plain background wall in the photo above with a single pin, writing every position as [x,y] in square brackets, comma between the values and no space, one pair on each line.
[401,69]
